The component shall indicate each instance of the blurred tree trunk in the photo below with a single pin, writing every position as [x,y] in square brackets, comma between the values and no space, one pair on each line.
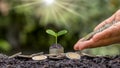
[14,29]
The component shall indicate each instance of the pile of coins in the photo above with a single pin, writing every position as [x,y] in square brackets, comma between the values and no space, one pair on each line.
[69,55]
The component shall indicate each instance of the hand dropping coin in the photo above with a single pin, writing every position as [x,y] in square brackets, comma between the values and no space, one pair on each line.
[72,55]
[90,35]
[40,57]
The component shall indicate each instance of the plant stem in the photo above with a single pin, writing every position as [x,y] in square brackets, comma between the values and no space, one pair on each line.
[56,40]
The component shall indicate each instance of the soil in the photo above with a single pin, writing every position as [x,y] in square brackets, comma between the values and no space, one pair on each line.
[84,62]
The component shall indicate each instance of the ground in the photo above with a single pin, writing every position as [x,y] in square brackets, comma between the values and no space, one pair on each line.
[83,62]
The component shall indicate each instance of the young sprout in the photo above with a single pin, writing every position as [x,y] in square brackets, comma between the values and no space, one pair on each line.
[56,34]
[56,48]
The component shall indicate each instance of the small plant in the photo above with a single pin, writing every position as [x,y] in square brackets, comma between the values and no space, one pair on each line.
[56,35]
[56,48]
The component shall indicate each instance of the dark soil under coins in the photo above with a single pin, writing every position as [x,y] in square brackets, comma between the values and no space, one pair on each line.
[83,62]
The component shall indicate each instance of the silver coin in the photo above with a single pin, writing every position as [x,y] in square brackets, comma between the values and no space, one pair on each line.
[40,57]
[72,55]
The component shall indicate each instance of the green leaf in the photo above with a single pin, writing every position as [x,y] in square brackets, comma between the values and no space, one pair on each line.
[62,32]
[51,32]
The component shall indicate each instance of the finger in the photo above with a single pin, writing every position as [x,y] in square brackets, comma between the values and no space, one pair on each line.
[105,42]
[92,44]
[76,46]
[80,45]
[112,31]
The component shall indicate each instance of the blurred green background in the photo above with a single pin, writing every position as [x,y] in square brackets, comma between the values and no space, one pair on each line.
[23,24]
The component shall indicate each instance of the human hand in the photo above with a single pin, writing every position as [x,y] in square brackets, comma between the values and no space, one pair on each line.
[109,36]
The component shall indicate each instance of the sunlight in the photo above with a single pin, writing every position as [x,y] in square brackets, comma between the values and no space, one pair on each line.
[49,2]
[55,11]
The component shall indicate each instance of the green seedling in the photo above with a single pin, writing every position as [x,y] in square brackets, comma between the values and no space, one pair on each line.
[56,48]
[56,34]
